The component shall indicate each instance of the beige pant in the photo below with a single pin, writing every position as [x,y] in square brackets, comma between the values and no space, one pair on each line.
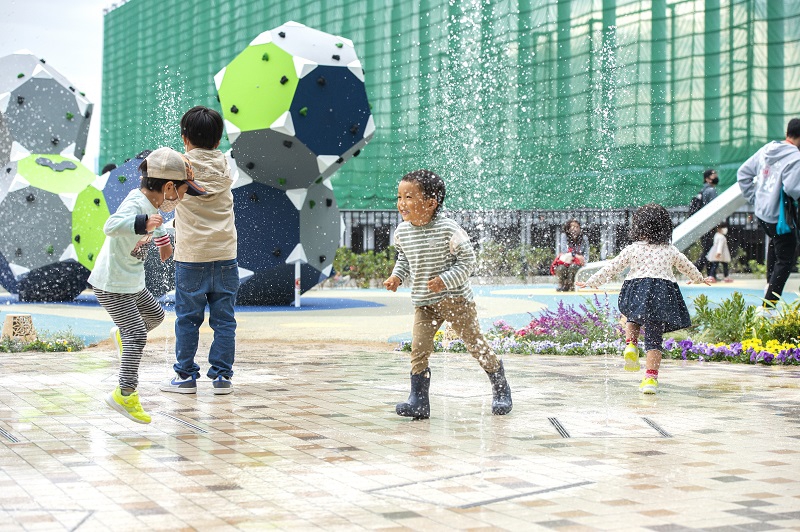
[464,319]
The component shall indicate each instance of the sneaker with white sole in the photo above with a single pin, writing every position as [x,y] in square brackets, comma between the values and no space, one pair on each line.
[128,406]
[649,385]
[178,384]
[116,339]
[222,385]
[631,355]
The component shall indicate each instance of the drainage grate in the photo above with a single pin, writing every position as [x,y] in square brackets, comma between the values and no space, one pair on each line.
[657,428]
[559,427]
[182,422]
[526,494]
[7,435]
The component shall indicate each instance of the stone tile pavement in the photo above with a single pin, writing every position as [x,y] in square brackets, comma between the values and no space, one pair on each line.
[309,440]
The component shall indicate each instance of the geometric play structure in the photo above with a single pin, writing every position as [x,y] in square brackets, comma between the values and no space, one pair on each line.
[295,106]
[275,226]
[41,110]
[51,216]
[295,110]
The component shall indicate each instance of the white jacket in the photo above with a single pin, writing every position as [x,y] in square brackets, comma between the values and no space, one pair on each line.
[720,246]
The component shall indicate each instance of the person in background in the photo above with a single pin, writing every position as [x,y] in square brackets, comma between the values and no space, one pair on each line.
[719,254]
[707,195]
[769,181]
[571,254]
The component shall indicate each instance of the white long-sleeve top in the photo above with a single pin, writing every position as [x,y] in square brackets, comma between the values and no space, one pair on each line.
[655,261]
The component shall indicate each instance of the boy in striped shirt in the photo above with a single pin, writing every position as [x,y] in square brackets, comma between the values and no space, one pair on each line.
[435,257]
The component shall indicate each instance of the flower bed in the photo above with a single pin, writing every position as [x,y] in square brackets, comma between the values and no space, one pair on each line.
[595,328]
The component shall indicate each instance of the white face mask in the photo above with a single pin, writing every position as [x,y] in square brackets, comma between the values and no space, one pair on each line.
[724,231]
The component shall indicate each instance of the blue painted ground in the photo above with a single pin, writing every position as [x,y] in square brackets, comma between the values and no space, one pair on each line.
[93,331]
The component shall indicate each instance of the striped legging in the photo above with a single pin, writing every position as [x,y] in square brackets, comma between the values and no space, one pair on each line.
[135,315]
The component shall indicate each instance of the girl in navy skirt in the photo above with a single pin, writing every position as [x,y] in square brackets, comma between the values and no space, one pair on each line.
[650,297]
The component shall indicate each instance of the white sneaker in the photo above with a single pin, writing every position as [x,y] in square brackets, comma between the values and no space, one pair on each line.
[178,384]
[222,385]
[116,339]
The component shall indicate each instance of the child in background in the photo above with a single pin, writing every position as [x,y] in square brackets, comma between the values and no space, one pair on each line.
[206,270]
[719,254]
[118,275]
[435,256]
[650,296]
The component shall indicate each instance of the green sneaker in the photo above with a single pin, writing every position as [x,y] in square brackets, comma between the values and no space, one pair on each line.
[649,385]
[128,406]
[631,355]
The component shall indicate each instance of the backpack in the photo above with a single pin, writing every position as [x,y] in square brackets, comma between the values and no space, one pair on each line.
[696,204]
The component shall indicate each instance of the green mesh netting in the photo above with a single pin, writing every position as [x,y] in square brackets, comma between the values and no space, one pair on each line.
[526,104]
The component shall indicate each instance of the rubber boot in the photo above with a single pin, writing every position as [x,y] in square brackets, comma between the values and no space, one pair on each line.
[501,392]
[418,405]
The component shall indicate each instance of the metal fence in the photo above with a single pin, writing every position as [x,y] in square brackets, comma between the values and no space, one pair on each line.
[607,230]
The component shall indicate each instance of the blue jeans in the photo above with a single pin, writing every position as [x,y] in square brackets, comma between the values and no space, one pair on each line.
[198,284]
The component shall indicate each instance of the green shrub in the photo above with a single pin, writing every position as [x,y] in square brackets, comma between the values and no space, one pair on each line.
[786,325]
[498,260]
[732,320]
[364,268]
[61,341]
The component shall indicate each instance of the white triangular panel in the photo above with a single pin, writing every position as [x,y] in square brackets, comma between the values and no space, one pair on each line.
[18,184]
[327,270]
[101,181]
[303,67]
[244,274]
[298,254]
[297,197]
[369,129]
[4,101]
[284,124]
[325,161]
[69,152]
[23,51]
[328,183]
[293,24]
[345,40]
[17,270]
[242,179]
[41,72]
[232,131]
[69,254]
[83,105]
[356,68]
[17,152]
[68,199]
[263,38]
[218,77]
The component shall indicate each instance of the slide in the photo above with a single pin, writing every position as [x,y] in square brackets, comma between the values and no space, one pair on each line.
[694,227]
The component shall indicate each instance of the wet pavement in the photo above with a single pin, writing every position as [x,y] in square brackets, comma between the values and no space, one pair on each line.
[309,439]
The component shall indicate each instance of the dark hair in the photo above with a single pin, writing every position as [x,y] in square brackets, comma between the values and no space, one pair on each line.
[722,225]
[651,223]
[565,227]
[202,127]
[708,173]
[108,168]
[431,185]
[793,128]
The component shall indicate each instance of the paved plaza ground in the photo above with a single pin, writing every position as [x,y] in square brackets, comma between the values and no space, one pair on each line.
[310,440]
